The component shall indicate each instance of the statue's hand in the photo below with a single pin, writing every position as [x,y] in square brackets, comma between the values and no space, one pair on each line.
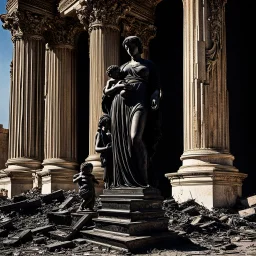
[128,87]
[155,97]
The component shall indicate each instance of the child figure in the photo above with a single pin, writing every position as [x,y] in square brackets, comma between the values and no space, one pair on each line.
[86,182]
[103,140]
[112,86]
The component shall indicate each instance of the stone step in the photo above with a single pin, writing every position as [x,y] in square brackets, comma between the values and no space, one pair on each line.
[145,193]
[133,216]
[131,204]
[133,244]
[132,228]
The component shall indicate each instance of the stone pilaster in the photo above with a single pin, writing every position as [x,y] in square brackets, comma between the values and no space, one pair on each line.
[101,20]
[207,173]
[26,98]
[60,136]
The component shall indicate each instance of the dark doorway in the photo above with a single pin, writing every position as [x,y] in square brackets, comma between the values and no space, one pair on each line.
[83,97]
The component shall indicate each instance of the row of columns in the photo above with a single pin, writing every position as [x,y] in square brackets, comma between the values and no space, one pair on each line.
[43,107]
[207,173]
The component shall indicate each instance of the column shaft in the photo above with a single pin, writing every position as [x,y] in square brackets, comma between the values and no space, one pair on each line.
[205,92]
[104,51]
[207,173]
[26,103]
[60,105]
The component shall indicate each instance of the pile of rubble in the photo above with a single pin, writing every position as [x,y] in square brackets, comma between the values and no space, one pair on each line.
[36,224]
[217,229]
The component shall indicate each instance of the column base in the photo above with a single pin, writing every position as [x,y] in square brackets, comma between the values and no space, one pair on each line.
[57,174]
[16,182]
[98,172]
[212,189]
[53,179]
[17,178]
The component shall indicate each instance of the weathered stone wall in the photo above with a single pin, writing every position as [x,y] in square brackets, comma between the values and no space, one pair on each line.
[4,134]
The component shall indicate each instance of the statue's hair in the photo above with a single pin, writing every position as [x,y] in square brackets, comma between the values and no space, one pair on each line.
[135,40]
[104,119]
[86,166]
[112,68]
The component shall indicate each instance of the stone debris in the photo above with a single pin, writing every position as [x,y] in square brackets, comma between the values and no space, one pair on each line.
[35,224]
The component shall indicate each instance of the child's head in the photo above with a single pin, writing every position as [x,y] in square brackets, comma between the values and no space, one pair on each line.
[86,168]
[115,72]
[104,121]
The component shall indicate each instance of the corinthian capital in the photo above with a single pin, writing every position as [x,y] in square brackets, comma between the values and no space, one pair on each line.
[101,13]
[62,31]
[24,24]
[133,26]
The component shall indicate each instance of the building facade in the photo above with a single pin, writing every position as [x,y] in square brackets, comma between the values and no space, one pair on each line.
[4,134]
[61,50]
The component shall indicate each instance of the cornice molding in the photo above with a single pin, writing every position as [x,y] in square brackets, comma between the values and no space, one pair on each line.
[38,6]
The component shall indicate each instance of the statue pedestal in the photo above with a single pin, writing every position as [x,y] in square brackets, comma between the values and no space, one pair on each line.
[131,220]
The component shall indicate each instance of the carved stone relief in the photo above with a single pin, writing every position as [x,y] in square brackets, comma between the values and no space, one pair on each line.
[24,24]
[62,31]
[215,20]
[107,13]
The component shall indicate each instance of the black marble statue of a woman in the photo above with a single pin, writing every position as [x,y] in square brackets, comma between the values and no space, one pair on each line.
[132,125]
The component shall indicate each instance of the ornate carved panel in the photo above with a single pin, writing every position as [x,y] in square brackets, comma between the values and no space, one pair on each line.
[215,20]
[62,31]
[24,24]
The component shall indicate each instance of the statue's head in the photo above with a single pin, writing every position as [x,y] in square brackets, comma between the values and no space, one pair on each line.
[86,167]
[133,40]
[113,71]
[104,121]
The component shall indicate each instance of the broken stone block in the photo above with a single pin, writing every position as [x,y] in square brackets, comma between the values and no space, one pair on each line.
[6,223]
[70,234]
[247,212]
[67,203]
[19,198]
[14,206]
[56,195]
[79,241]
[42,230]
[59,245]
[191,210]
[196,220]
[251,200]
[60,217]
[39,240]
[21,237]
[205,225]
[21,206]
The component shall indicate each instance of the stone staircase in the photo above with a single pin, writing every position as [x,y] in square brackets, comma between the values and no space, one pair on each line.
[131,220]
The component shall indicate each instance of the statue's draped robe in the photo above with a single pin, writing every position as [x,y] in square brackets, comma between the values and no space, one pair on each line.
[144,79]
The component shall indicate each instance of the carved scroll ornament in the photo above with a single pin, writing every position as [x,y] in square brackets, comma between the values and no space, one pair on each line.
[62,31]
[216,25]
[24,24]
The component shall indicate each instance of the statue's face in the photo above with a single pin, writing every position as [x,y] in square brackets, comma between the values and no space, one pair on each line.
[132,49]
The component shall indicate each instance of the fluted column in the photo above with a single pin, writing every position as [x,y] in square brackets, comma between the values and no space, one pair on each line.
[60,159]
[101,20]
[206,158]
[26,118]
